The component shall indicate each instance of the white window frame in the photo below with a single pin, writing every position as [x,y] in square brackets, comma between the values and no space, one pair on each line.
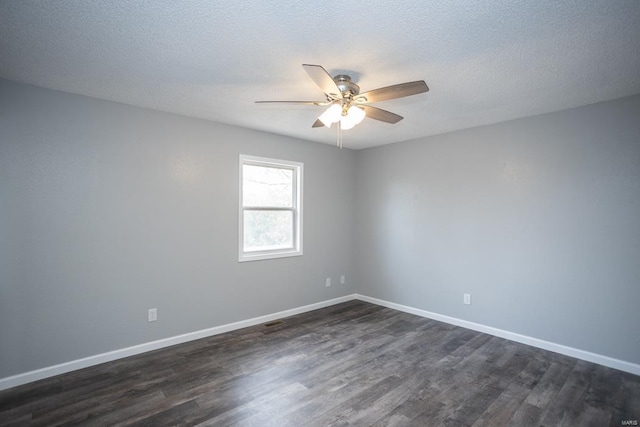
[297,168]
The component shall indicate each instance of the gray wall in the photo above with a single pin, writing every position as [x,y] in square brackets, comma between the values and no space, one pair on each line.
[107,210]
[539,219]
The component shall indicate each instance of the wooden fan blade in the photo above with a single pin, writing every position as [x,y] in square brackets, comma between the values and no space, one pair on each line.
[317,124]
[382,115]
[323,80]
[294,102]
[392,92]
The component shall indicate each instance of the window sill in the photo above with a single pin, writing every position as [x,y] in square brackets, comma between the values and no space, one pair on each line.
[258,256]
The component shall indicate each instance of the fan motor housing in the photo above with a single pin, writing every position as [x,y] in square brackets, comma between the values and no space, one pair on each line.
[345,85]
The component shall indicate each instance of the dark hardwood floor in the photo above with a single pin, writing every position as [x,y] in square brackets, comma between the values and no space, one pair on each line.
[350,364]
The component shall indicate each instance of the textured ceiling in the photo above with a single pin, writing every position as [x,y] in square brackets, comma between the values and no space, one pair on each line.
[484,61]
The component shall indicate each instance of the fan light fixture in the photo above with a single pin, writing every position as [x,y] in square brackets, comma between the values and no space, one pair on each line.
[348,119]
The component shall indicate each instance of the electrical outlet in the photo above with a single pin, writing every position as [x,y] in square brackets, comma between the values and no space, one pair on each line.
[467,299]
[342,280]
[153,314]
[328,282]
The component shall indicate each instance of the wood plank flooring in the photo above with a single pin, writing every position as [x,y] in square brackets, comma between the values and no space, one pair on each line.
[350,364]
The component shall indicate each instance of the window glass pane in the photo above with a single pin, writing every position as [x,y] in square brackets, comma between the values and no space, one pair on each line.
[267,230]
[267,186]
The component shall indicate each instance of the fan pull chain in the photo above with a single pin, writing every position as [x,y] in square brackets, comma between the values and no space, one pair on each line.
[339,142]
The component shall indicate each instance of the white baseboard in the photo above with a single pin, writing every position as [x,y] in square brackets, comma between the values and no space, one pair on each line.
[73,365]
[535,342]
[97,359]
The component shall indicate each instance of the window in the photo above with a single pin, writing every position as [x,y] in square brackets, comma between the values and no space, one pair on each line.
[270,208]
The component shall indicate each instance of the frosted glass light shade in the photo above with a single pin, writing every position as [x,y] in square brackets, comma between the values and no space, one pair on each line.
[331,115]
[354,116]
[357,114]
[346,123]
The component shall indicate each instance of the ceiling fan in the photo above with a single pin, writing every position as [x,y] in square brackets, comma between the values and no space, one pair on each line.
[347,105]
